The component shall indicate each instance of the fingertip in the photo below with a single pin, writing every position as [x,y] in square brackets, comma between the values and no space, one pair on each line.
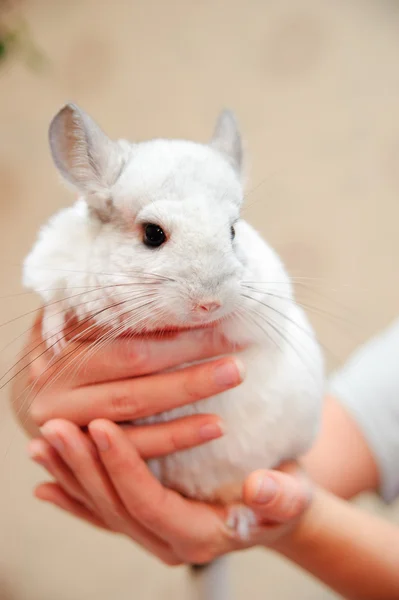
[211,430]
[100,431]
[99,423]
[37,493]
[59,425]
[44,492]
[229,372]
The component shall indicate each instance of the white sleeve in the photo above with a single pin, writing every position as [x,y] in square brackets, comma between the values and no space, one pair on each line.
[368,386]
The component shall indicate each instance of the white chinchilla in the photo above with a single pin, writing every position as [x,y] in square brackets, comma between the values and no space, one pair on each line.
[155,242]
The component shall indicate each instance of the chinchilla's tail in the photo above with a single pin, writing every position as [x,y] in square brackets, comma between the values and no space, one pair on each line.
[210,581]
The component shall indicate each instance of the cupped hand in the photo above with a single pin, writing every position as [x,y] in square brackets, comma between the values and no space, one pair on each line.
[101,477]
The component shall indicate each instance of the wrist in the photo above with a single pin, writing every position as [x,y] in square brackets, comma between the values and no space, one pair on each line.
[307,530]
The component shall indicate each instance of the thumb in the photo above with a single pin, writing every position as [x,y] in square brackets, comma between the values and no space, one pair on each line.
[275,496]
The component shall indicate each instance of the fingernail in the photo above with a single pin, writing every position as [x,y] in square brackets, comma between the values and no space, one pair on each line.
[266,489]
[53,437]
[229,373]
[34,450]
[100,439]
[211,431]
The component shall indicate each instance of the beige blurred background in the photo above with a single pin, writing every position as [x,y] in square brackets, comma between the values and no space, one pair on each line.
[315,85]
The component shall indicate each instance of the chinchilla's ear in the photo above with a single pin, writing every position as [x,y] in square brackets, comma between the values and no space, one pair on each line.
[85,156]
[227,139]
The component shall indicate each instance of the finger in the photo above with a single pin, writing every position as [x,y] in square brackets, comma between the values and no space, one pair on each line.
[87,361]
[46,456]
[78,452]
[172,517]
[276,497]
[55,494]
[156,440]
[131,399]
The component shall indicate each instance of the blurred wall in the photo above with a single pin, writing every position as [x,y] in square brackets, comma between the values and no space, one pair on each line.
[315,86]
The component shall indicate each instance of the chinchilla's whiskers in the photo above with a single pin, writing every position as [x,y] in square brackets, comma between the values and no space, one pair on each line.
[87,289]
[247,318]
[112,334]
[108,319]
[308,284]
[82,287]
[294,278]
[325,297]
[345,325]
[133,323]
[271,325]
[66,298]
[55,331]
[132,272]
[52,303]
[293,322]
[59,360]
[59,289]
[276,327]
[280,313]
[116,331]
[49,347]
[54,359]
[316,310]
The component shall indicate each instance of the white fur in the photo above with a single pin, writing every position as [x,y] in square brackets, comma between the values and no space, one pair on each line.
[195,194]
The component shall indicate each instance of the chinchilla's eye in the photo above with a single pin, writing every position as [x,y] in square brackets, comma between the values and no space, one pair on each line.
[154,235]
[232,232]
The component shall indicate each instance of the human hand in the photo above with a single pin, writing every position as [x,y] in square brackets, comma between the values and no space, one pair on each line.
[102,479]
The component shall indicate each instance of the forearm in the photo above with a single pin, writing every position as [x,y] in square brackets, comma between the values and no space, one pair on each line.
[351,551]
[341,461]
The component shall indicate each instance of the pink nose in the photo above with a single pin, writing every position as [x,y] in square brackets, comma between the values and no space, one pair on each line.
[208,306]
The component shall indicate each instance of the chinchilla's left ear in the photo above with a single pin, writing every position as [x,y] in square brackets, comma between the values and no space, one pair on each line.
[227,139]
[85,157]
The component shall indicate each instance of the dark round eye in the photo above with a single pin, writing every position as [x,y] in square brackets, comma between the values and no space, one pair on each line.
[154,236]
[232,232]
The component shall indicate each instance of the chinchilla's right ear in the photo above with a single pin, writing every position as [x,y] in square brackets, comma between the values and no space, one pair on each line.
[85,156]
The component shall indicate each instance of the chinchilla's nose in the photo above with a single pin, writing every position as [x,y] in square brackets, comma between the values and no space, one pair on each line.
[207,305]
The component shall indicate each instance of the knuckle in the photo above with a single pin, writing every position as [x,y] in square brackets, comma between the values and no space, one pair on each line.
[172,561]
[197,555]
[153,510]
[295,506]
[177,441]
[125,406]
[114,522]
[147,513]
[120,465]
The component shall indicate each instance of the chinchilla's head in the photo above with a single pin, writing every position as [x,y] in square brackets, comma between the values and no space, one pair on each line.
[165,209]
